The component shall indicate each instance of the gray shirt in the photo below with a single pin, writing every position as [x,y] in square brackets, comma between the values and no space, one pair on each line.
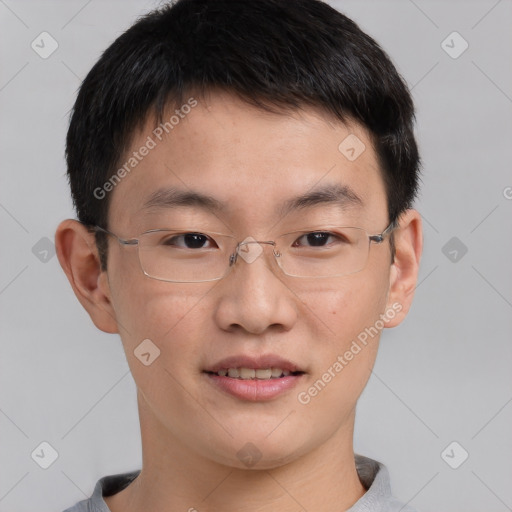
[373,475]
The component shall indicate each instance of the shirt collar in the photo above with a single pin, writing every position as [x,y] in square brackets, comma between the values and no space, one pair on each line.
[373,475]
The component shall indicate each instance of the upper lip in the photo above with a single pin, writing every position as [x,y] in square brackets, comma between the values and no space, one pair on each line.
[262,361]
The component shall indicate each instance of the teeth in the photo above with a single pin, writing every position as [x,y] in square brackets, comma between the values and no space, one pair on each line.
[276,372]
[247,373]
[251,373]
[263,374]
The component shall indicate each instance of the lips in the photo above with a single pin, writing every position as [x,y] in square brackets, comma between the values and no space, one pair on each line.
[254,378]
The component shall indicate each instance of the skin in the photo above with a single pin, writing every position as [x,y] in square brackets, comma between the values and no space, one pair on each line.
[252,161]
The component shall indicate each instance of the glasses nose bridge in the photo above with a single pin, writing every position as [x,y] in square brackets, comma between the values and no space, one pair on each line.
[234,257]
[245,242]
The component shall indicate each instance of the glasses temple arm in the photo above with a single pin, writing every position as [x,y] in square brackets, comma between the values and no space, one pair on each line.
[122,241]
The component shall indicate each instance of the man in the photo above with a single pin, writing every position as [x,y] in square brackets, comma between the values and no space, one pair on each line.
[243,174]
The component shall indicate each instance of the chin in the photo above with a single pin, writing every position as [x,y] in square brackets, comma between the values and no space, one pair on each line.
[262,454]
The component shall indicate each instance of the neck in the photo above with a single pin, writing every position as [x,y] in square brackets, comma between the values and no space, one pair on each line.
[175,477]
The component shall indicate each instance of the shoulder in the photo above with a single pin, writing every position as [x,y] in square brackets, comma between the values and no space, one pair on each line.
[106,486]
[378,497]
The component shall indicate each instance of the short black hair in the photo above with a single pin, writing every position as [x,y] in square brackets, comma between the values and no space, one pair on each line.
[278,55]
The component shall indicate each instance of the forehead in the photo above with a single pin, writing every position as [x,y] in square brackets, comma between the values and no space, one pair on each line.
[250,165]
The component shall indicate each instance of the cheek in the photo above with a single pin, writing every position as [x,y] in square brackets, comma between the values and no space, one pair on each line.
[165,313]
[347,338]
[349,305]
[170,318]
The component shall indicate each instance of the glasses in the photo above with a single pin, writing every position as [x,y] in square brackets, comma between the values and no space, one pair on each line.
[188,256]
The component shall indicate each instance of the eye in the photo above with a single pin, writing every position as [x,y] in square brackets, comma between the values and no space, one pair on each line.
[315,239]
[189,241]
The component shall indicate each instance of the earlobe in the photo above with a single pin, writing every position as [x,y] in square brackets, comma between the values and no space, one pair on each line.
[78,257]
[403,275]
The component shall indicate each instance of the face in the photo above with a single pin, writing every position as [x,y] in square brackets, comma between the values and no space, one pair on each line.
[252,164]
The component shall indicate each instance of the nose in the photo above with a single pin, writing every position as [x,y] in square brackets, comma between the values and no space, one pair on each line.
[253,297]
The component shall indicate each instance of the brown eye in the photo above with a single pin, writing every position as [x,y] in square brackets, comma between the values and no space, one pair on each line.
[188,241]
[317,239]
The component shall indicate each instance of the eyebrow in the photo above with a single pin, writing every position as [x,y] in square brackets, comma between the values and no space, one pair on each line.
[174,197]
[334,194]
[328,194]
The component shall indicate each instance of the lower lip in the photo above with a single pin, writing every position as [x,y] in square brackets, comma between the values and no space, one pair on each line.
[255,390]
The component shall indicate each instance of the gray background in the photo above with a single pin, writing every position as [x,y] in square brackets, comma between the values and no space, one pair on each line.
[442,376]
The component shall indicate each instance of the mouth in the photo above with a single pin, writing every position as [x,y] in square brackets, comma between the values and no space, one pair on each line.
[254,379]
[254,373]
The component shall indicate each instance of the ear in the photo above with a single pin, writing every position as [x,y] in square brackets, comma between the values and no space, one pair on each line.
[403,276]
[78,257]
